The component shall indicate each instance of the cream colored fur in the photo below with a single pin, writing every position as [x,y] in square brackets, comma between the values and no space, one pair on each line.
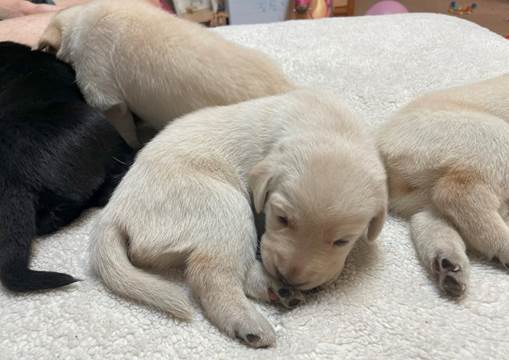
[186,201]
[447,156]
[130,55]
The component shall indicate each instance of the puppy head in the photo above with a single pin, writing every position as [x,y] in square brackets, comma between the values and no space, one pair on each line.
[319,200]
[56,35]
[64,32]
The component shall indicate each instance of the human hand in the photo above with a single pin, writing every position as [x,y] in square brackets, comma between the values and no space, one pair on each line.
[16,8]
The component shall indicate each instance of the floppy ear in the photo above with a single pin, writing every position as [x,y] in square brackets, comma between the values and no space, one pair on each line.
[259,180]
[375,225]
[51,39]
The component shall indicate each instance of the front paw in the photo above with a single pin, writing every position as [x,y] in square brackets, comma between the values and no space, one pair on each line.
[255,331]
[285,295]
[452,275]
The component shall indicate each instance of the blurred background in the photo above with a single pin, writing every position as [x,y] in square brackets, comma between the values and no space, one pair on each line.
[492,14]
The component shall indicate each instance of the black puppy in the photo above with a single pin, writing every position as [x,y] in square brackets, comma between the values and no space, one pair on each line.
[58,156]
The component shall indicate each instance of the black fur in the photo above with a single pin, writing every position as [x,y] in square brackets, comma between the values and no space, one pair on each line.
[58,156]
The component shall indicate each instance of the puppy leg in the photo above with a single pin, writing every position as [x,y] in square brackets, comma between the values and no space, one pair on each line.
[101,92]
[223,242]
[474,209]
[122,120]
[217,282]
[261,286]
[441,250]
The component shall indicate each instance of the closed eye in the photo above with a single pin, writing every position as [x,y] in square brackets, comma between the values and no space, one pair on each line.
[340,242]
[283,220]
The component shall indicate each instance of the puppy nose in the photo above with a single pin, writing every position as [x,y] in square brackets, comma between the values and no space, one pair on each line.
[289,276]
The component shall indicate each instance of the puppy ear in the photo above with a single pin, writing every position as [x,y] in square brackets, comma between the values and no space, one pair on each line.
[259,180]
[51,39]
[375,225]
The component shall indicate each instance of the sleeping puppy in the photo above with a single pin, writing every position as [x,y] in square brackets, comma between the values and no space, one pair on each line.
[132,55]
[58,157]
[308,164]
[446,157]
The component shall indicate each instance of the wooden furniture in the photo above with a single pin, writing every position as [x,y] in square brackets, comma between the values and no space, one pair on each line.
[343,7]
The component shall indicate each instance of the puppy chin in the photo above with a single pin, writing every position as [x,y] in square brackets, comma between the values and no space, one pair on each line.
[322,286]
[314,284]
[309,286]
[322,281]
[331,281]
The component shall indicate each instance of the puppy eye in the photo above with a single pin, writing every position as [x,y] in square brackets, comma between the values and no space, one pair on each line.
[283,220]
[340,242]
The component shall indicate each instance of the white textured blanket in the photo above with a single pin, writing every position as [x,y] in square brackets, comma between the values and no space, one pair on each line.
[384,306]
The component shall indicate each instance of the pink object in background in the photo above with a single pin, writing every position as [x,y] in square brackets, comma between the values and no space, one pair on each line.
[301,6]
[165,6]
[386,7]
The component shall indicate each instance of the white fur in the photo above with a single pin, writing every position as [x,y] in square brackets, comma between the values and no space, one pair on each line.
[186,201]
[130,55]
[446,156]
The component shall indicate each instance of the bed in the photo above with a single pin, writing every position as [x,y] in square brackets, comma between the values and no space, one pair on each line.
[384,305]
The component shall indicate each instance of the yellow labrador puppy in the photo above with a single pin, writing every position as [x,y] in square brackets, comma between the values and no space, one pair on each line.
[131,55]
[446,155]
[308,164]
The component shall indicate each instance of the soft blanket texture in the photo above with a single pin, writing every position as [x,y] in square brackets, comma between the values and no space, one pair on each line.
[384,306]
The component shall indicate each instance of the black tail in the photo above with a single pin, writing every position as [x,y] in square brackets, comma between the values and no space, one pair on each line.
[17,229]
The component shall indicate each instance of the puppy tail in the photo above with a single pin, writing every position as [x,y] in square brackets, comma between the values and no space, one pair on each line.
[109,254]
[17,229]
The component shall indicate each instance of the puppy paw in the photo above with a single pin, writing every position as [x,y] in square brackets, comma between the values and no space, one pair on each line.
[285,295]
[255,331]
[452,276]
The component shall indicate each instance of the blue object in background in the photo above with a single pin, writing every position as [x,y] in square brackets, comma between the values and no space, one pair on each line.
[257,11]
